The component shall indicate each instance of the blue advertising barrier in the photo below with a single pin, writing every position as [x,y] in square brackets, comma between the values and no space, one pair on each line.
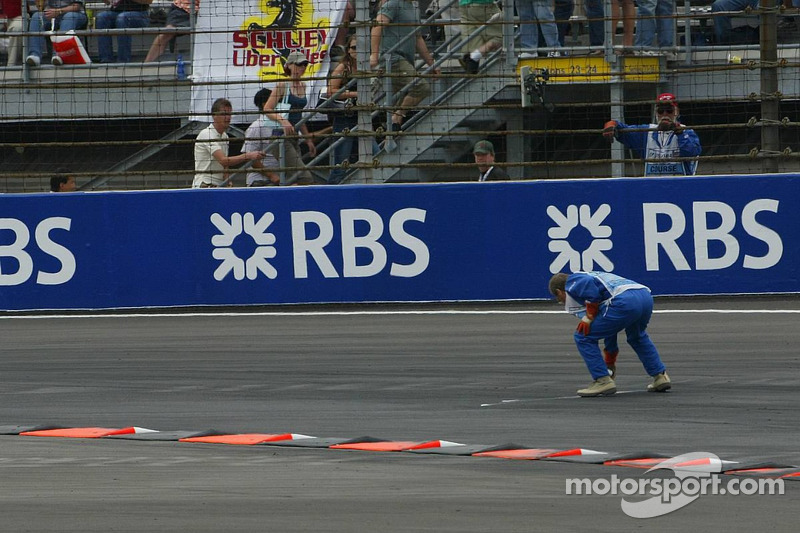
[395,243]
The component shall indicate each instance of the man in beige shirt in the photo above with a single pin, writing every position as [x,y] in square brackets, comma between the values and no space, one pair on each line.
[211,160]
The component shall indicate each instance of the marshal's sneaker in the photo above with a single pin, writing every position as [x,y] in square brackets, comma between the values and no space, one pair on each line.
[604,386]
[660,383]
[33,60]
[56,60]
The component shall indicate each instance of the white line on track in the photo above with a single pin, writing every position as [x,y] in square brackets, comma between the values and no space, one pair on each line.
[377,313]
[573,397]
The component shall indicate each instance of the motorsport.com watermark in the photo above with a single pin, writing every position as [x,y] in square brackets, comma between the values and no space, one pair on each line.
[696,474]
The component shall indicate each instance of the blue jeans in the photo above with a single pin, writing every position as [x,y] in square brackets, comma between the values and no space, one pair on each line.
[343,150]
[118,19]
[629,311]
[562,12]
[531,11]
[646,26]
[595,11]
[722,25]
[74,20]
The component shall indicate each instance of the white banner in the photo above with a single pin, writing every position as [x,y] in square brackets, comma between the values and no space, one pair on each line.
[241,45]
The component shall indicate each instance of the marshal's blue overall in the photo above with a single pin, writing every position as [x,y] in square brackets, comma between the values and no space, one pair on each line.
[624,305]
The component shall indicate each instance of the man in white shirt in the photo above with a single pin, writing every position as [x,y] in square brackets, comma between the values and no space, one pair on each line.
[211,160]
[257,137]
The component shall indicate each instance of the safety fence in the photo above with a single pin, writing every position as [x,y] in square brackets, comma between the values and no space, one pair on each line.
[132,125]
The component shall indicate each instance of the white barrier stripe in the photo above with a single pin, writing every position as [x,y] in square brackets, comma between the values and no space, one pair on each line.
[195,314]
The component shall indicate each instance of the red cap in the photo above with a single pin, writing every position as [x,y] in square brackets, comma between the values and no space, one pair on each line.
[667,97]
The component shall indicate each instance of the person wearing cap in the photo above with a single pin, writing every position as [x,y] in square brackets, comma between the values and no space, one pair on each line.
[484,158]
[396,20]
[294,93]
[660,144]
[607,304]
[211,160]
[257,138]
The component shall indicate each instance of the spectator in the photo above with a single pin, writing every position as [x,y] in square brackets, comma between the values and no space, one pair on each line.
[397,21]
[607,304]
[723,31]
[257,138]
[63,181]
[294,93]
[533,13]
[788,23]
[12,12]
[343,31]
[211,160]
[345,120]
[177,17]
[562,12]
[655,15]
[595,13]
[474,15]
[444,30]
[61,15]
[122,14]
[625,9]
[484,158]
[661,142]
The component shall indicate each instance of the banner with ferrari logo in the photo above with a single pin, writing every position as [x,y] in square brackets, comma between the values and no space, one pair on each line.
[242,45]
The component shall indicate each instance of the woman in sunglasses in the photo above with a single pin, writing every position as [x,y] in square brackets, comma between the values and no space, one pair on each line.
[662,145]
[345,119]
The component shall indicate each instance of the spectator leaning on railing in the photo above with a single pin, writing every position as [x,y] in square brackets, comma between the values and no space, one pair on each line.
[211,160]
[257,138]
[292,92]
[661,142]
[122,14]
[62,15]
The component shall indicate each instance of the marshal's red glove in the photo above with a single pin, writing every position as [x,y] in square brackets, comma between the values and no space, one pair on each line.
[609,129]
[585,325]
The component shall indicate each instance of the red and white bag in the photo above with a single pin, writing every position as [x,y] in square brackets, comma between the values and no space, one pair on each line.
[70,48]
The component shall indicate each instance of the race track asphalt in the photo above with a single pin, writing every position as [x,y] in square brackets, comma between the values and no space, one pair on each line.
[474,374]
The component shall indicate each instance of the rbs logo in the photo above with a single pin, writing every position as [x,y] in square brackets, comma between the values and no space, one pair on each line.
[312,232]
[16,251]
[665,238]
